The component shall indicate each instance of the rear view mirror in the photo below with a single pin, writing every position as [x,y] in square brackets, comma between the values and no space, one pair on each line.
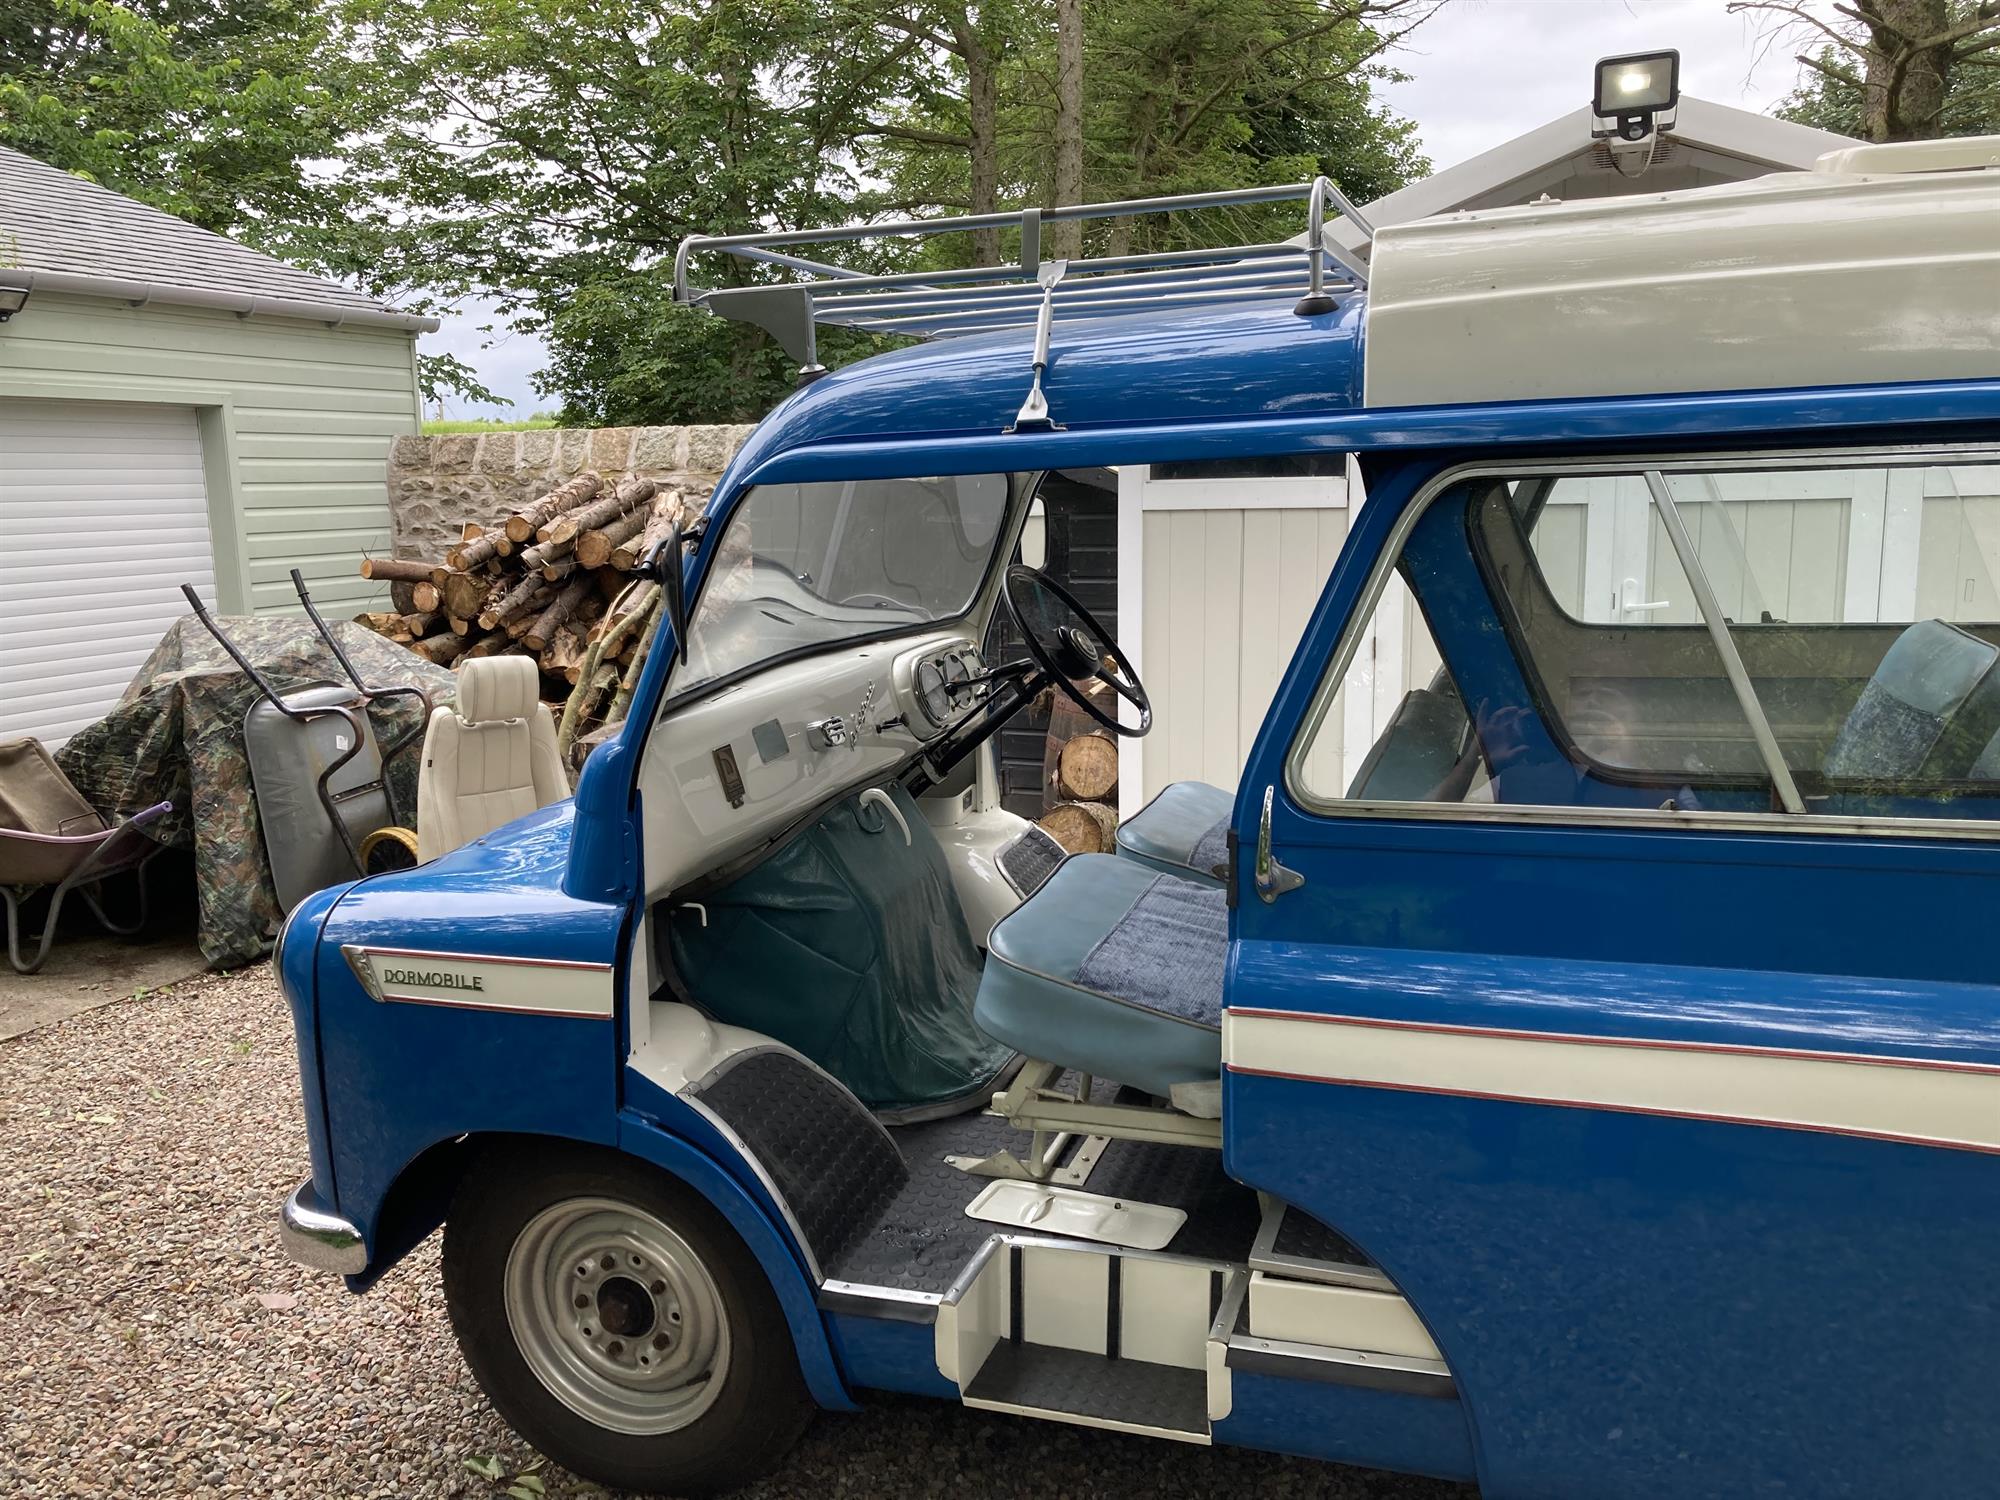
[673,597]
[1035,535]
[663,566]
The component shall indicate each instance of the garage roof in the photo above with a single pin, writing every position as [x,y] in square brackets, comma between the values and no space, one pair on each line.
[60,233]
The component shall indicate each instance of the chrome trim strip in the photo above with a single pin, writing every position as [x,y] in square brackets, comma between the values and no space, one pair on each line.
[1886,455]
[890,1304]
[319,1239]
[724,1129]
[1725,644]
[1399,1374]
[1264,1257]
[486,958]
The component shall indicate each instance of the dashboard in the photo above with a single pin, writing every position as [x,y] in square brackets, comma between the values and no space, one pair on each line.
[722,774]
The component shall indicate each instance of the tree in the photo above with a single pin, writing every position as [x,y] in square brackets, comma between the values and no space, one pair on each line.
[218,114]
[1893,70]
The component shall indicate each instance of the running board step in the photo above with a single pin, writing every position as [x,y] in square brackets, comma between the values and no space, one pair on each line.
[1067,1385]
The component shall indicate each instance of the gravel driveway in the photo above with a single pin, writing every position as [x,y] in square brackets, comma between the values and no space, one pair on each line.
[155,1341]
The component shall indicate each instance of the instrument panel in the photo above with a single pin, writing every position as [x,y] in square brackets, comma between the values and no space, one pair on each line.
[934,686]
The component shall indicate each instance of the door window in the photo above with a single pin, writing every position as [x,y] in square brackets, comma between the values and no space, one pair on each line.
[1784,637]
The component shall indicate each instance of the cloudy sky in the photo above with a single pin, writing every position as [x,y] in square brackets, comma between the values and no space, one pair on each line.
[1481,71]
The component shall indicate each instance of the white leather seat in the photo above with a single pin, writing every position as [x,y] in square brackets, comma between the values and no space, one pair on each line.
[490,760]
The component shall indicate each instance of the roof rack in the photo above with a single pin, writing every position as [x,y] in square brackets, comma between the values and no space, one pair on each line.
[981,299]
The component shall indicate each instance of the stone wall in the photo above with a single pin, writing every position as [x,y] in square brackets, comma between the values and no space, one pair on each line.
[437,484]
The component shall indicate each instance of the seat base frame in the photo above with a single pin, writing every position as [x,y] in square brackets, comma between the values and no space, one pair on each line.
[1054,1116]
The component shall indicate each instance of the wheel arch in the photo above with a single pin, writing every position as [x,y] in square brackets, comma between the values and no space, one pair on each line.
[419,1199]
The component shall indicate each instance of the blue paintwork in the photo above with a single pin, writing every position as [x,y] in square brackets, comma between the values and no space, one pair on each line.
[878,1354]
[1349,1425]
[1645,1307]
[296,963]
[413,1075]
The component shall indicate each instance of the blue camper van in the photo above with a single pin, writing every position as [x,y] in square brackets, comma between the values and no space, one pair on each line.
[1564,1056]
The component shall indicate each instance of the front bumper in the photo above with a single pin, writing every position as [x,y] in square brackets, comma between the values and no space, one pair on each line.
[314,1237]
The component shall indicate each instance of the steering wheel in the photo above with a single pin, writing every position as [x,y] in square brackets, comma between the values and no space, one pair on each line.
[1072,648]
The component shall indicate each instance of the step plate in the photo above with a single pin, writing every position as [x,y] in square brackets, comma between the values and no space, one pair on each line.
[1065,1385]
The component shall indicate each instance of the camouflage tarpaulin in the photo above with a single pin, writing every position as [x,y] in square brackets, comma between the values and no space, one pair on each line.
[177,735]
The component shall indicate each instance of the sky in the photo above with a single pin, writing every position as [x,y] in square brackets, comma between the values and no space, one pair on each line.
[1481,71]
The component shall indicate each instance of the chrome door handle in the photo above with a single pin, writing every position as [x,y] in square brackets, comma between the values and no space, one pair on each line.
[1272,879]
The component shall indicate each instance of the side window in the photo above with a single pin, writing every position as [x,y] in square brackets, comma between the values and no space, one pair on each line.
[1767,638]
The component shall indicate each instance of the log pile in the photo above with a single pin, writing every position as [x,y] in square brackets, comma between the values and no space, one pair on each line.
[554,582]
[1081,769]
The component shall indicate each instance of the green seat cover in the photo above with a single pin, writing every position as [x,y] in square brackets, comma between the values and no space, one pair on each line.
[850,946]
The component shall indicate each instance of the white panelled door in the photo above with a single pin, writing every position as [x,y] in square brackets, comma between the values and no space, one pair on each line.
[105,515]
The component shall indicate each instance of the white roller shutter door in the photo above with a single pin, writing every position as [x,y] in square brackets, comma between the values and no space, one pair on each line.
[104,515]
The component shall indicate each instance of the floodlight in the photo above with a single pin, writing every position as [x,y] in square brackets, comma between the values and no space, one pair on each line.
[1632,90]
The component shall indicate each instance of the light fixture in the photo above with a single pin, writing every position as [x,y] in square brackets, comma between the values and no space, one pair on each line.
[12,300]
[1634,100]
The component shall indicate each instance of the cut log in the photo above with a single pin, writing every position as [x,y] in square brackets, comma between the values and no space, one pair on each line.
[458,626]
[524,619]
[632,492]
[468,555]
[422,624]
[403,596]
[487,645]
[464,594]
[1087,768]
[557,571]
[668,507]
[543,630]
[425,597]
[543,553]
[563,656]
[595,549]
[506,602]
[396,570]
[383,622]
[442,649]
[471,531]
[523,524]
[1080,827]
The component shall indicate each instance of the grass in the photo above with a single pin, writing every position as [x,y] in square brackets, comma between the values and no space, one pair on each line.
[474,424]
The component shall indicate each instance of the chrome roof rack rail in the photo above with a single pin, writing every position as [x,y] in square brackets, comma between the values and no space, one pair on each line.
[980,299]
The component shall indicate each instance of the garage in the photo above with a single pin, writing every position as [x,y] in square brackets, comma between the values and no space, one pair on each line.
[174,407]
[106,513]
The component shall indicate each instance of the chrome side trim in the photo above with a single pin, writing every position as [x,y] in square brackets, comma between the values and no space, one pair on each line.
[1264,1257]
[742,1149]
[1397,1373]
[890,1304]
[1886,455]
[314,1237]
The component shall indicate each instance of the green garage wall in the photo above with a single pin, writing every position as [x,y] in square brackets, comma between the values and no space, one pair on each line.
[296,422]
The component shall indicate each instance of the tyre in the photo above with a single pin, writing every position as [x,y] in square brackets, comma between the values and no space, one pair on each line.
[617,1322]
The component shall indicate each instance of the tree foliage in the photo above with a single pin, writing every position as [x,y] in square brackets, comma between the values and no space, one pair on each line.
[548,156]
[556,155]
[1892,70]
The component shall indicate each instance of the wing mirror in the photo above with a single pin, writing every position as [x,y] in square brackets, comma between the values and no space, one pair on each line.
[1035,535]
[663,566]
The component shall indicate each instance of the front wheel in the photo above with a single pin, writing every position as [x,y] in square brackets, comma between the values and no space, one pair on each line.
[618,1323]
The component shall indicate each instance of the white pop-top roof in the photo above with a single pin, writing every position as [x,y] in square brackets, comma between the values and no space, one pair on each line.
[1881,264]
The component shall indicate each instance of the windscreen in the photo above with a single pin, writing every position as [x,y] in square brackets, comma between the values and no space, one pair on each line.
[805,565]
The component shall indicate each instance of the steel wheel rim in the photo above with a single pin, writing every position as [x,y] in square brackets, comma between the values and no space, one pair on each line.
[616,1316]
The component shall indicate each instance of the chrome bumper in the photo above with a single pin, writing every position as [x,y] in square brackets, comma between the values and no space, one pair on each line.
[313,1237]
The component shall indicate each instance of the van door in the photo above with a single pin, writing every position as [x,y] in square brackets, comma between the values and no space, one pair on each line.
[1627,1002]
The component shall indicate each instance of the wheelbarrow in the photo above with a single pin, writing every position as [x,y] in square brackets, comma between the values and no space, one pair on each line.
[52,840]
[324,801]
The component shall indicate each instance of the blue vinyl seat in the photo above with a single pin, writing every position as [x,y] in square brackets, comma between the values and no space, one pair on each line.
[1114,969]
[1184,831]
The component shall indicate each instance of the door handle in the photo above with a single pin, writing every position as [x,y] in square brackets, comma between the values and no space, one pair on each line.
[1272,879]
[1630,601]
